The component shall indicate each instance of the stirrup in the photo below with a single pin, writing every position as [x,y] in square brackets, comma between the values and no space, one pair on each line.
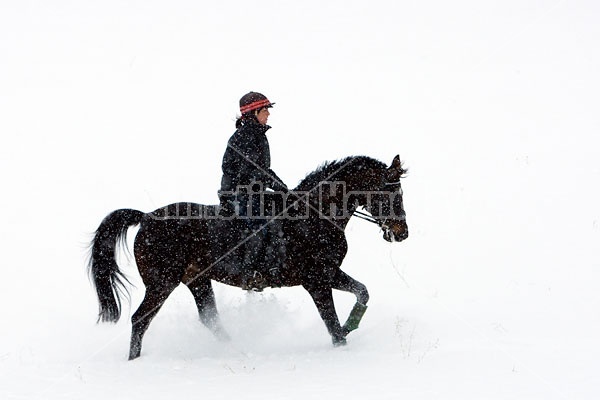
[254,283]
[257,278]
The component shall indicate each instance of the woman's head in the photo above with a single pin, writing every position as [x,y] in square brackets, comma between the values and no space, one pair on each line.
[254,105]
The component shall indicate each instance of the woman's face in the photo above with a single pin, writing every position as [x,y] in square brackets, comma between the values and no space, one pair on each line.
[262,115]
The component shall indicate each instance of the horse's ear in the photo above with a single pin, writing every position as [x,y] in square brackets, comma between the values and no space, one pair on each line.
[394,172]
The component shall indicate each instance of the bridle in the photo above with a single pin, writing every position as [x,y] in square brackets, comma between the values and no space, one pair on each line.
[381,223]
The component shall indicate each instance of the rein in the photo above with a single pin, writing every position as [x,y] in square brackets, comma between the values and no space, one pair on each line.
[365,216]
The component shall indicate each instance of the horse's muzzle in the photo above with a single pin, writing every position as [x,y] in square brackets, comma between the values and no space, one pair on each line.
[396,232]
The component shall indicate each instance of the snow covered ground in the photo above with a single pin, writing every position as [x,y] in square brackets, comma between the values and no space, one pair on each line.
[492,105]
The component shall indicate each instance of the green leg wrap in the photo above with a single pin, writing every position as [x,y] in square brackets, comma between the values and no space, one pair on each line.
[355,316]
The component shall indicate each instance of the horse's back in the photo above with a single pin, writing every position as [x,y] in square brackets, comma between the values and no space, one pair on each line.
[184,211]
[172,237]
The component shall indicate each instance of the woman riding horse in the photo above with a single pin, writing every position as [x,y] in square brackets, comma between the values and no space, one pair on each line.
[184,243]
[247,170]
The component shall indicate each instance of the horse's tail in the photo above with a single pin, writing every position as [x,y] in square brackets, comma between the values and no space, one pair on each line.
[106,277]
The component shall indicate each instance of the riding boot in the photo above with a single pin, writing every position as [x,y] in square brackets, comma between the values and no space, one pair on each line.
[275,259]
[253,278]
[278,272]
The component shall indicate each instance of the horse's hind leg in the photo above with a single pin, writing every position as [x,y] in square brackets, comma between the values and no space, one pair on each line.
[345,282]
[207,308]
[153,300]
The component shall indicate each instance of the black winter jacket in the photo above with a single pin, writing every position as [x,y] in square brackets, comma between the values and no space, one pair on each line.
[248,159]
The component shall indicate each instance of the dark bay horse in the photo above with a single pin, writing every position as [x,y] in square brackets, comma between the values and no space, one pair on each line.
[193,244]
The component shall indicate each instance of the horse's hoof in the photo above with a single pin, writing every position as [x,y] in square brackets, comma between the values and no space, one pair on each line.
[223,336]
[133,354]
[339,342]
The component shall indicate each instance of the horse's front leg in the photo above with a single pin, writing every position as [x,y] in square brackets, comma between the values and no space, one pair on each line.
[345,282]
[323,298]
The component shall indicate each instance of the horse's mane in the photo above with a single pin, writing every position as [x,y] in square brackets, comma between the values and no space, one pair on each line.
[338,170]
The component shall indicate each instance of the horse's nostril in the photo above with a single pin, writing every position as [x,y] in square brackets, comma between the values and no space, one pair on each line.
[400,237]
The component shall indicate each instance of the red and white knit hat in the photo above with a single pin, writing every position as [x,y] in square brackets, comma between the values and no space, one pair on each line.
[253,101]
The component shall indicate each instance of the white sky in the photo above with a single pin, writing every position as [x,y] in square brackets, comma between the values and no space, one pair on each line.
[155,85]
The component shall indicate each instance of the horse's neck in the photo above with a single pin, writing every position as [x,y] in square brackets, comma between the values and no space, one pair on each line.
[342,223]
[327,215]
[355,189]
[355,183]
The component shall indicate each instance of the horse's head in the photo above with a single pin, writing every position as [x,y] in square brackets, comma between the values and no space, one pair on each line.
[338,188]
[386,205]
